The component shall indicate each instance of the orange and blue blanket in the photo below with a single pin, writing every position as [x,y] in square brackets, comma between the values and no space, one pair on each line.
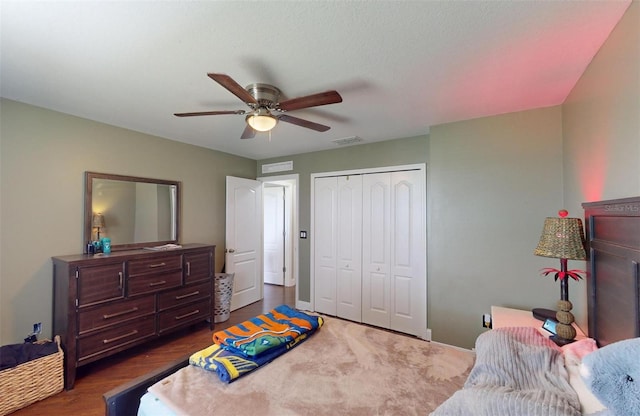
[242,348]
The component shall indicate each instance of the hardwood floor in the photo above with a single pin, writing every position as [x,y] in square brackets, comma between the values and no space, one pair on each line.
[94,379]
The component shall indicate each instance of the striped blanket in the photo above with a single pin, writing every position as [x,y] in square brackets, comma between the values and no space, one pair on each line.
[242,348]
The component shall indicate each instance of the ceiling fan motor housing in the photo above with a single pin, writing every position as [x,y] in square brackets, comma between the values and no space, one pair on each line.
[266,95]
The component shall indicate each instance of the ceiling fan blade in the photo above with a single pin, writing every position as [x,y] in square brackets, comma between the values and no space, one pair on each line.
[313,100]
[248,133]
[233,87]
[303,123]
[208,113]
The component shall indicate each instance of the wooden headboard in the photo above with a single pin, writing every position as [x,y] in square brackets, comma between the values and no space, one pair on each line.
[613,278]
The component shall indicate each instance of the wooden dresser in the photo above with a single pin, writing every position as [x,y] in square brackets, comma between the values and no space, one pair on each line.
[104,304]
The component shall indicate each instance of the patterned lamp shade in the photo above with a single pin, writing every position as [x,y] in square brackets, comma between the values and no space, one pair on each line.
[562,238]
[98,221]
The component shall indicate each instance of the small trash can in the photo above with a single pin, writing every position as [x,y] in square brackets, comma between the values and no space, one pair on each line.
[223,289]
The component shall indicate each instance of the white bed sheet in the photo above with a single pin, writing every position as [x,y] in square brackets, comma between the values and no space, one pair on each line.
[150,405]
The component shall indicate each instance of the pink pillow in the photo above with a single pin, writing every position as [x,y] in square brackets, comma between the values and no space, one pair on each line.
[580,348]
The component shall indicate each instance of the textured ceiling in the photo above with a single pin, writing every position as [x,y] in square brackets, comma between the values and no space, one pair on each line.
[400,66]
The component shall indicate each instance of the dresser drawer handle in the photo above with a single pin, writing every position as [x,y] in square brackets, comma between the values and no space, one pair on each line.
[120,276]
[113,315]
[160,283]
[155,265]
[188,295]
[188,268]
[186,315]
[108,341]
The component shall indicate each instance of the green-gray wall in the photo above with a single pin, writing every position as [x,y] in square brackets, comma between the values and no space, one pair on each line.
[601,129]
[43,156]
[490,184]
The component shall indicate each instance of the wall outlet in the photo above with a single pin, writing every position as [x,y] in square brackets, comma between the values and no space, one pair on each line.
[486,320]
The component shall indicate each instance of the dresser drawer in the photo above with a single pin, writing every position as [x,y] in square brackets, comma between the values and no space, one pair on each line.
[197,266]
[184,315]
[184,295]
[114,313]
[159,264]
[140,284]
[104,341]
[100,283]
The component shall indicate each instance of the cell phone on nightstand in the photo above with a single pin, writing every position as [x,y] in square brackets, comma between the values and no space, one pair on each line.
[550,325]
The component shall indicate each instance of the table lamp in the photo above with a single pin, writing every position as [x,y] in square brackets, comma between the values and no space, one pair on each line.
[563,238]
[98,222]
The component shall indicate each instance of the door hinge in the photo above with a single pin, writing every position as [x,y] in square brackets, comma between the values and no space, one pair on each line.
[284,269]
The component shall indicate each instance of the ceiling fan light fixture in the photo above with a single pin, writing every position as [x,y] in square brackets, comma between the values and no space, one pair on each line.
[262,120]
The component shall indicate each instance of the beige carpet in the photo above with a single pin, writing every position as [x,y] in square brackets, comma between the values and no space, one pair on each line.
[344,369]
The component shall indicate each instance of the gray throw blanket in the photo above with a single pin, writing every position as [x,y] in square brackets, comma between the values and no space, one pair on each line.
[518,371]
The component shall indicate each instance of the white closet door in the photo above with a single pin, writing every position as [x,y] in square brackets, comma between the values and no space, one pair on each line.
[325,244]
[408,254]
[349,259]
[376,251]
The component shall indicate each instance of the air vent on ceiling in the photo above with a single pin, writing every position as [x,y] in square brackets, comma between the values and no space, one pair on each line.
[347,140]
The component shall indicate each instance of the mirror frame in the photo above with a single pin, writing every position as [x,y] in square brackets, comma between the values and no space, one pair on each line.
[88,211]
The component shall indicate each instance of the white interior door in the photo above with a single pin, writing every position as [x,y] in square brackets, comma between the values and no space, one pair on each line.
[408,272]
[274,234]
[325,244]
[376,220]
[349,248]
[243,240]
[394,252]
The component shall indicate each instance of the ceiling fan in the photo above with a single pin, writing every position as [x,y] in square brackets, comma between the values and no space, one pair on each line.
[263,101]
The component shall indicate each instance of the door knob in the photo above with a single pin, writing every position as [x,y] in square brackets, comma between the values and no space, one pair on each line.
[230,250]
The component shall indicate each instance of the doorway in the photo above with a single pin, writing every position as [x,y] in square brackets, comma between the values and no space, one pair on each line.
[280,229]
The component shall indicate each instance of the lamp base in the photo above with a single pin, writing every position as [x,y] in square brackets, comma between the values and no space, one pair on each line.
[544,314]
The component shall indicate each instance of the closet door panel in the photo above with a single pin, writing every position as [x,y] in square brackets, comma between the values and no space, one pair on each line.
[375,249]
[349,257]
[408,254]
[325,244]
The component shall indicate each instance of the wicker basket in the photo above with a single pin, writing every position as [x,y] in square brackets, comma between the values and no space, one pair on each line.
[32,381]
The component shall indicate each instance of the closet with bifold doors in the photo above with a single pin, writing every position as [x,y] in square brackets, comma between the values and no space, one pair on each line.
[369,248]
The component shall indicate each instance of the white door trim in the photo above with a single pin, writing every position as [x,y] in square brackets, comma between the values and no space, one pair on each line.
[293,178]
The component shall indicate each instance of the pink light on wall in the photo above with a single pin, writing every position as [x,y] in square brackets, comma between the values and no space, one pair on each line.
[591,161]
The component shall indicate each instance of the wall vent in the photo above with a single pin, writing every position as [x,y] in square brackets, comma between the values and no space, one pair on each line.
[347,140]
[278,167]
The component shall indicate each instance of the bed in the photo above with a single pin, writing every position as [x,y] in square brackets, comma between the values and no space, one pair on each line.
[613,286]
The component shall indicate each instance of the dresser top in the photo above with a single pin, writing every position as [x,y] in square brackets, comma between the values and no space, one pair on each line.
[129,253]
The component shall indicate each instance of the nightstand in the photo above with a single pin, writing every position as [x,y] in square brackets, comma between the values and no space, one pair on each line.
[505,317]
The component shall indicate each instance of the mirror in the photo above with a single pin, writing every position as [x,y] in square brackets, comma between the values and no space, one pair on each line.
[133,212]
